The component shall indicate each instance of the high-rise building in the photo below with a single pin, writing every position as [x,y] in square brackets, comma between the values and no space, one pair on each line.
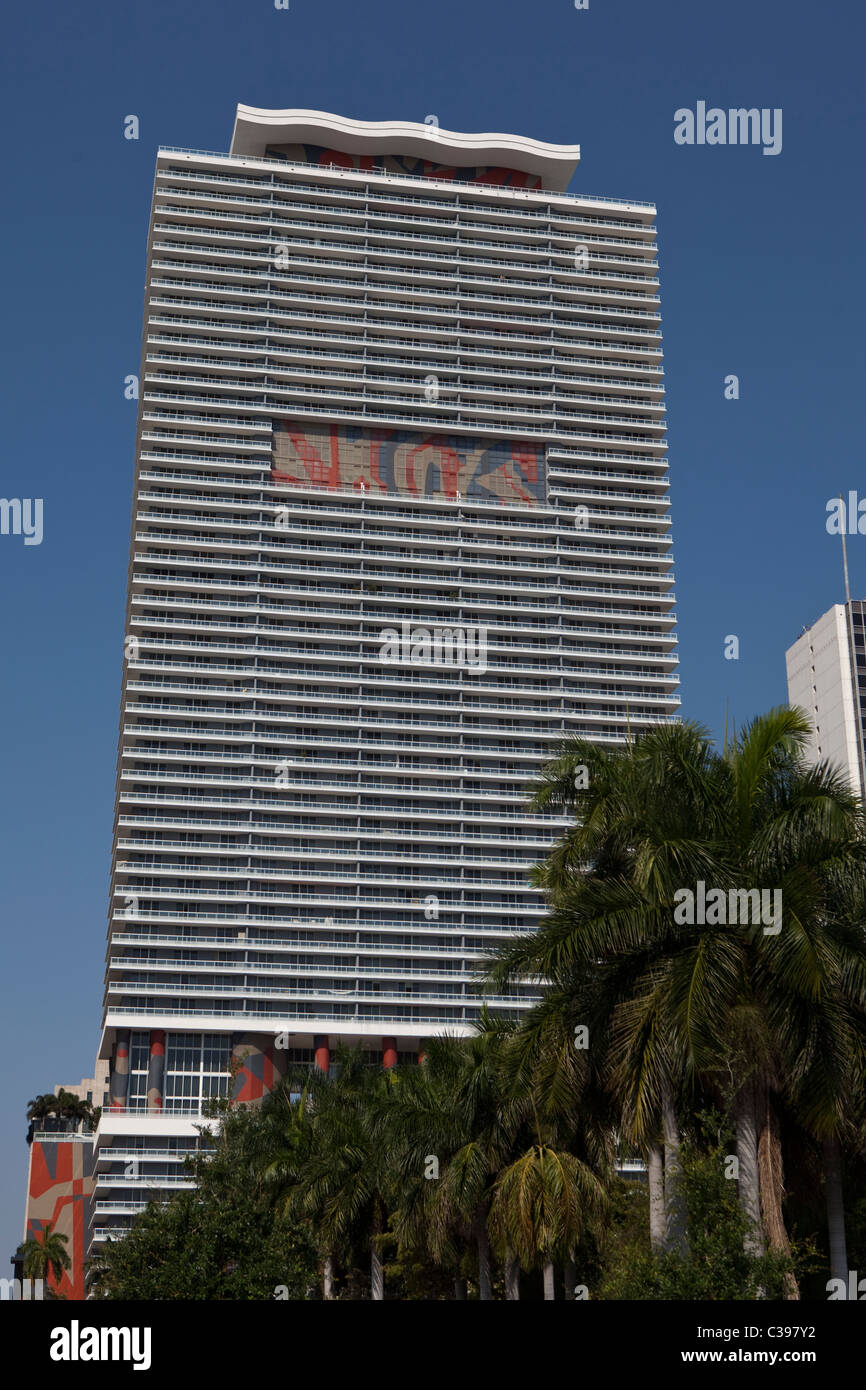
[400,525]
[60,1181]
[827,678]
[93,1089]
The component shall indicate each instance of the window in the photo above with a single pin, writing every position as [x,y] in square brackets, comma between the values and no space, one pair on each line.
[196,1068]
[139,1058]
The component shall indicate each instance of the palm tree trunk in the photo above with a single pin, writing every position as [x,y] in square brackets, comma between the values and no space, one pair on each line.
[512,1278]
[549,1281]
[748,1183]
[657,1221]
[771,1180]
[833,1195]
[570,1278]
[328,1277]
[483,1241]
[675,1218]
[377,1274]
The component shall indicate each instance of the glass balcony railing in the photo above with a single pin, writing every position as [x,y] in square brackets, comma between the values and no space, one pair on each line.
[592,540]
[251,247]
[468,349]
[368,229]
[448,185]
[383,258]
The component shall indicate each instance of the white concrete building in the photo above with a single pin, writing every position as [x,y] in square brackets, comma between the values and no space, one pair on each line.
[90,1088]
[400,525]
[827,678]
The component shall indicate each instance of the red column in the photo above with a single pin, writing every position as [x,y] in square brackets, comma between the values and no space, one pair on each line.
[323,1052]
[389,1052]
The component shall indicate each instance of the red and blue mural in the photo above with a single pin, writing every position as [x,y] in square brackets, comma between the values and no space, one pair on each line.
[404,164]
[409,463]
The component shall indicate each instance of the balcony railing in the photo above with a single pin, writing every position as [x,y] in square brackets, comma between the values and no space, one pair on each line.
[450,185]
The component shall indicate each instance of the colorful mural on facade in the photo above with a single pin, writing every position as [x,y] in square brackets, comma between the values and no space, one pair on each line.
[257,1066]
[60,1191]
[407,462]
[404,164]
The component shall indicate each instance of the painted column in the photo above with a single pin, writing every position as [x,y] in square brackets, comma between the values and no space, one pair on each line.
[118,1087]
[257,1065]
[156,1069]
[389,1053]
[323,1052]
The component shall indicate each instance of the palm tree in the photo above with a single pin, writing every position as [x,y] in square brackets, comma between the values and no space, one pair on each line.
[344,1180]
[46,1258]
[477,1122]
[680,1005]
[494,1114]
[40,1107]
[543,1202]
[71,1107]
[597,941]
[287,1146]
[425,1130]
[799,828]
[65,1106]
[828,1078]
[554,1190]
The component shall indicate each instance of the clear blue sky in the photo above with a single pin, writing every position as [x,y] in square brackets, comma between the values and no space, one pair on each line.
[762,272]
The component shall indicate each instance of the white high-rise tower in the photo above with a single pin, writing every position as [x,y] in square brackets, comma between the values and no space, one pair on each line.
[827,678]
[400,526]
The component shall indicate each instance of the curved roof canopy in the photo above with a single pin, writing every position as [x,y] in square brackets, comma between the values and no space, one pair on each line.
[256,128]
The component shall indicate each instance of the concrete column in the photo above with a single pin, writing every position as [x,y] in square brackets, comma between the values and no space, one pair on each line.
[323,1052]
[257,1065]
[155,1069]
[118,1086]
[389,1053]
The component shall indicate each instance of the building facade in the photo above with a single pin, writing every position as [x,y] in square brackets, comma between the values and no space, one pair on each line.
[93,1089]
[60,1181]
[826,670]
[400,525]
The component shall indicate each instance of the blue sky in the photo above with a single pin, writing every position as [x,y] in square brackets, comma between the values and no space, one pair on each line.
[761,273]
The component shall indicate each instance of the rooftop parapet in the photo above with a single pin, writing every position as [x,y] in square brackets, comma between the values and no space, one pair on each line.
[378,144]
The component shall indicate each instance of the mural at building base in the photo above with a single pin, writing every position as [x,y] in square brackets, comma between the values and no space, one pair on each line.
[408,463]
[60,1191]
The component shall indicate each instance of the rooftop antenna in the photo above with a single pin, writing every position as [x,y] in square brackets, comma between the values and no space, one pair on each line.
[845,552]
[855,680]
